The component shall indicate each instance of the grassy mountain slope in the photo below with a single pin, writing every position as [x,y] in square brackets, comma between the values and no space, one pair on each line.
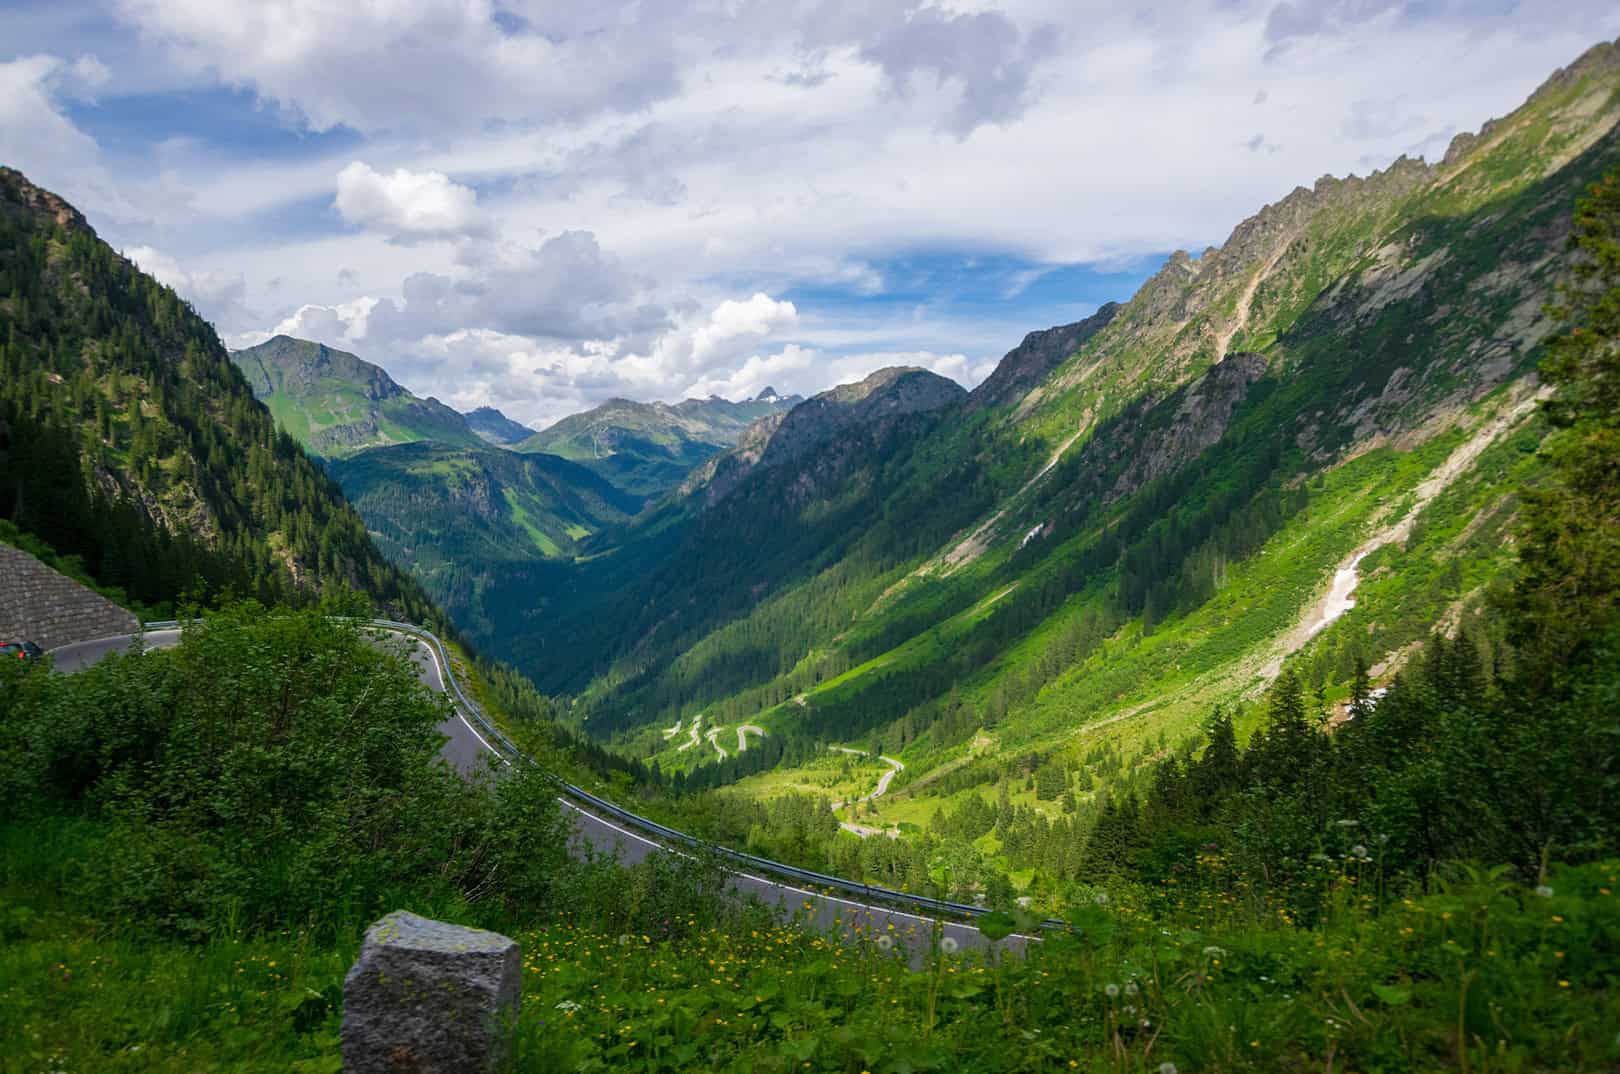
[335,404]
[128,438]
[450,513]
[1157,525]
[649,448]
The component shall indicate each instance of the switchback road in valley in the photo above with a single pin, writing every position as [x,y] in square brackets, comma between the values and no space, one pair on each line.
[468,750]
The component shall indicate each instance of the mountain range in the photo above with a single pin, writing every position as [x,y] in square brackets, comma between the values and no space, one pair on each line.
[649,448]
[1291,450]
[1294,451]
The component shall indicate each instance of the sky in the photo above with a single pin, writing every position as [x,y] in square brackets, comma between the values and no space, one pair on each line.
[541,205]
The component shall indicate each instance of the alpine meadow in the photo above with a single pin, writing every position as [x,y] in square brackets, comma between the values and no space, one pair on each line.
[1226,679]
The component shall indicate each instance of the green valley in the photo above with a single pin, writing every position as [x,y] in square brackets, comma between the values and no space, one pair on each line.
[1298,452]
[1228,682]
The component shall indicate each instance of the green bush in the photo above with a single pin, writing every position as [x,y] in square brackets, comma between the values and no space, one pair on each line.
[277,767]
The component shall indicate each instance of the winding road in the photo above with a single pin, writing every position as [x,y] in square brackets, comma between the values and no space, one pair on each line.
[470,752]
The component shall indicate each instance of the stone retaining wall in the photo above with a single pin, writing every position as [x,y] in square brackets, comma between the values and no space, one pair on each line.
[40,605]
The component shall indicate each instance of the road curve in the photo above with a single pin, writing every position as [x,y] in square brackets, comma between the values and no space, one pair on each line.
[470,752]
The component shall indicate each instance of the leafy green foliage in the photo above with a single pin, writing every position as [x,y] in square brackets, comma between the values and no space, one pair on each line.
[275,767]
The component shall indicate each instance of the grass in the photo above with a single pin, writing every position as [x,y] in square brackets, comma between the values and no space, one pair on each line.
[1477,975]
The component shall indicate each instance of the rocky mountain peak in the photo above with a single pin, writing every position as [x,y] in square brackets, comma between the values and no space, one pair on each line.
[887,395]
[1027,364]
[16,189]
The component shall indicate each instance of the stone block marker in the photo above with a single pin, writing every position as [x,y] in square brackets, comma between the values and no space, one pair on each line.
[426,997]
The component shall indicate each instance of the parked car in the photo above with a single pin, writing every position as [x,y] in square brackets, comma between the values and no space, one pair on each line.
[20,650]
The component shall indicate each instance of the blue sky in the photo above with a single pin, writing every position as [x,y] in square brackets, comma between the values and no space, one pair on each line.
[538,204]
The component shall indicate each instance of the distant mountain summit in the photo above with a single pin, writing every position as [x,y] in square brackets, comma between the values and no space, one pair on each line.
[781,438]
[497,428]
[649,448]
[336,404]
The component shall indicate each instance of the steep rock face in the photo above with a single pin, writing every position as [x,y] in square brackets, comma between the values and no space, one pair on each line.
[1202,413]
[1027,364]
[868,405]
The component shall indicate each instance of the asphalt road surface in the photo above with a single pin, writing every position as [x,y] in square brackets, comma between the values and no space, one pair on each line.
[468,752]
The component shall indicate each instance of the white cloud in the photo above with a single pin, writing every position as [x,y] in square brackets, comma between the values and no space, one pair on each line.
[754,318]
[343,326]
[805,371]
[406,205]
[604,197]
[38,138]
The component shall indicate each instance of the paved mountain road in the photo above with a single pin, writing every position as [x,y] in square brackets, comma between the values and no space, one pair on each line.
[470,753]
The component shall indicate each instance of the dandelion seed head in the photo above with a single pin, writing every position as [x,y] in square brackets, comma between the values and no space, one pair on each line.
[1101,898]
[949,945]
[1130,988]
[1111,990]
[885,942]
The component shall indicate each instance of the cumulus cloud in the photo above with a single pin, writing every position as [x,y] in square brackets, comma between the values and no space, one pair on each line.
[619,197]
[38,137]
[407,206]
[984,55]
[803,370]
[387,64]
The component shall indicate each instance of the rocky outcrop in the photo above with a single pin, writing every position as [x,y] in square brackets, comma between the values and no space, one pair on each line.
[50,609]
[867,406]
[25,197]
[1026,365]
[1203,411]
[429,998]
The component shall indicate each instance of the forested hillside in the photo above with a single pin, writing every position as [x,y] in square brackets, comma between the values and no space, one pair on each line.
[1301,450]
[128,438]
[455,516]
